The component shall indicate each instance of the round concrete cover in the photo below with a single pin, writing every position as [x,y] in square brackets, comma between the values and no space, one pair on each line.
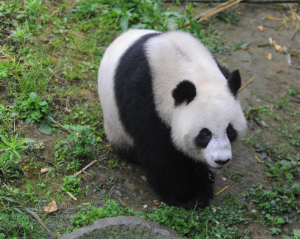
[123,228]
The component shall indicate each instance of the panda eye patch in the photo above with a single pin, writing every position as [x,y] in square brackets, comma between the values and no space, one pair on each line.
[203,138]
[231,133]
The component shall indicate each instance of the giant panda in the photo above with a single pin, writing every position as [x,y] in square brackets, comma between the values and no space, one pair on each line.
[168,105]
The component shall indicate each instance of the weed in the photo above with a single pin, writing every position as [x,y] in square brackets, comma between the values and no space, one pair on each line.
[283,102]
[114,163]
[14,146]
[34,110]
[230,16]
[292,91]
[240,46]
[16,220]
[8,166]
[207,223]
[71,183]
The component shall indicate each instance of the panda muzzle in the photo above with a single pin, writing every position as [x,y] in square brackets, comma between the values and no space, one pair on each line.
[222,162]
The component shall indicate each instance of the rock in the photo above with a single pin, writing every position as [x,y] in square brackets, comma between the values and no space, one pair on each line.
[124,228]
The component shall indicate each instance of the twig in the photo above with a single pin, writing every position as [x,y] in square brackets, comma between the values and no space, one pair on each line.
[62,126]
[6,186]
[70,194]
[215,10]
[246,84]
[257,159]
[31,212]
[41,222]
[121,201]
[298,101]
[90,164]
[222,190]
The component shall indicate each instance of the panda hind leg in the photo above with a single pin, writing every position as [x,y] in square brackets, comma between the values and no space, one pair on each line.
[126,153]
[120,142]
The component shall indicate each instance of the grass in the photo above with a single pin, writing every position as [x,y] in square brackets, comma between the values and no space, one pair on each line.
[50,53]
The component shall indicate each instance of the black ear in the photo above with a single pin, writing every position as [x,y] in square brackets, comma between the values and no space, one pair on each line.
[184,91]
[234,82]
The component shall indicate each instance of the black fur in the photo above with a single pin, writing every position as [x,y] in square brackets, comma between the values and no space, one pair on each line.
[231,133]
[184,91]
[178,179]
[203,138]
[234,82]
[233,79]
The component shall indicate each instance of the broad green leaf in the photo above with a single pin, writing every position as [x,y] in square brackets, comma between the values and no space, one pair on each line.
[5,140]
[124,23]
[32,96]
[49,118]
[295,187]
[17,153]
[45,128]
[25,140]
[3,147]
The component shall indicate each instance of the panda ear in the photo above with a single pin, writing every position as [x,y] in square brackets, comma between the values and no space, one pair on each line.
[184,91]
[234,82]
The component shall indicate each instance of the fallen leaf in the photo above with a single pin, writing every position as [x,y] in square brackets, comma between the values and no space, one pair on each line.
[261,28]
[52,207]
[278,47]
[144,178]
[44,170]
[132,186]
[270,56]
[245,48]
[156,204]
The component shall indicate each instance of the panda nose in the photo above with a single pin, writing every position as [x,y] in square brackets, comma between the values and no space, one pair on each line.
[222,162]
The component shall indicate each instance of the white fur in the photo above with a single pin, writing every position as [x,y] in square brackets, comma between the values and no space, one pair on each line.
[173,57]
[112,125]
[177,56]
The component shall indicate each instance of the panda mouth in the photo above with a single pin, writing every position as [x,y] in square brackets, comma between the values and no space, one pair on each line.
[215,168]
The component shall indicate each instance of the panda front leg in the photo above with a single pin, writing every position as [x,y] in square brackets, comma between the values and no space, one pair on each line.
[180,181]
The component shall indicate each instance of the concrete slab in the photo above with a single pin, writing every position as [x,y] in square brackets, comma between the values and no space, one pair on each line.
[123,227]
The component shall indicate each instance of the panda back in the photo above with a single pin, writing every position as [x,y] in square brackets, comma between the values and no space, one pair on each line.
[114,128]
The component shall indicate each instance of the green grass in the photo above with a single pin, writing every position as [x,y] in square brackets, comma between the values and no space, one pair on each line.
[212,222]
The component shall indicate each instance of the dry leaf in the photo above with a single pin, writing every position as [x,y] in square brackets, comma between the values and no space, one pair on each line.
[270,56]
[144,178]
[52,207]
[132,186]
[44,170]
[245,48]
[278,47]
[156,204]
[261,28]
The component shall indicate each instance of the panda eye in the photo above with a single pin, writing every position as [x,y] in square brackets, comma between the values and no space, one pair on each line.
[203,138]
[231,133]
[205,132]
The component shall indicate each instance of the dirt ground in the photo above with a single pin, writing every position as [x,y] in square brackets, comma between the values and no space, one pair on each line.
[273,77]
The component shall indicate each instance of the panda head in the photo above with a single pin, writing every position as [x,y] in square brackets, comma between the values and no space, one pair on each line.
[206,119]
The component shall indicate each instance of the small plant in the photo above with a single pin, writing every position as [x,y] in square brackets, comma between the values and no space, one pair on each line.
[292,91]
[114,163]
[4,69]
[14,146]
[283,102]
[207,223]
[71,183]
[16,219]
[34,110]
[8,166]
[20,34]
